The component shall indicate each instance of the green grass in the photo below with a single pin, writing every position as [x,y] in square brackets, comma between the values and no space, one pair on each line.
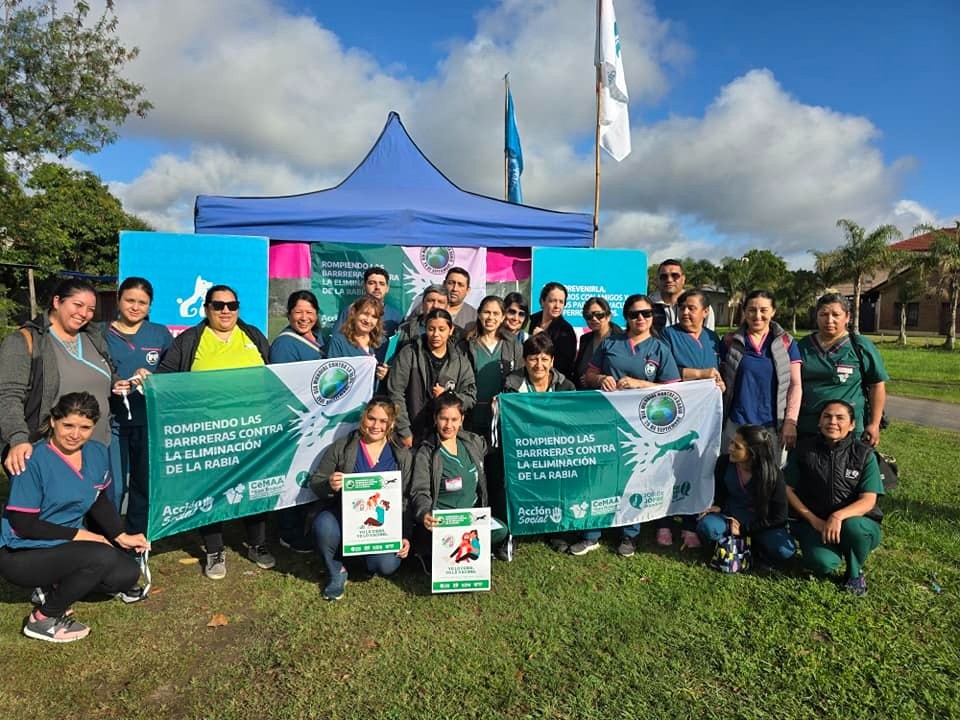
[658,635]
[929,372]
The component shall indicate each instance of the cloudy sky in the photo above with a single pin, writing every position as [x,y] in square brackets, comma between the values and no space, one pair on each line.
[753,124]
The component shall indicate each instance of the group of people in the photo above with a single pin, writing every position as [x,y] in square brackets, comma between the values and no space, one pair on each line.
[73,423]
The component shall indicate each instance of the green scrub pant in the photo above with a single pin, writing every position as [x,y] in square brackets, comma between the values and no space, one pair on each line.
[859,536]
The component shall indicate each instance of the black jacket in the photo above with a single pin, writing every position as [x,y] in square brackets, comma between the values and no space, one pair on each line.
[777,507]
[827,476]
[179,357]
[564,342]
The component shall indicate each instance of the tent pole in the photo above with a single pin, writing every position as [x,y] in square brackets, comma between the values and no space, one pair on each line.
[596,148]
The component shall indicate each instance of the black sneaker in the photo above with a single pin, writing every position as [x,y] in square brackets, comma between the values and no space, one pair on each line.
[583,547]
[627,547]
[134,594]
[505,550]
[261,556]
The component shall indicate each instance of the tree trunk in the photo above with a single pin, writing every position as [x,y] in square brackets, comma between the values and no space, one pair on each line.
[857,287]
[952,329]
[793,324]
[902,337]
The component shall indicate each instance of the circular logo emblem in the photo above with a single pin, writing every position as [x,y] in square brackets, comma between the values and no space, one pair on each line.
[650,370]
[636,500]
[662,411]
[152,357]
[331,381]
[436,260]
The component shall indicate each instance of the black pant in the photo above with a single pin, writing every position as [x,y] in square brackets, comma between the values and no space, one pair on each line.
[76,568]
[256,526]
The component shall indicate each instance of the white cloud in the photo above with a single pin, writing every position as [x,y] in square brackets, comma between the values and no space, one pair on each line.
[274,103]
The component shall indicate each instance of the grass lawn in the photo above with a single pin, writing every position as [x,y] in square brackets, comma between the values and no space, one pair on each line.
[658,635]
[922,371]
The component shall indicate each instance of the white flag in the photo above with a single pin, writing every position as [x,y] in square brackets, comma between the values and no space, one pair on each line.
[614,117]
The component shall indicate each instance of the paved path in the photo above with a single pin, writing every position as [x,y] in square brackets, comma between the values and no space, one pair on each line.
[924,412]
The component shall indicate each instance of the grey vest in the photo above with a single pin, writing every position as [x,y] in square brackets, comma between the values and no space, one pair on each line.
[736,344]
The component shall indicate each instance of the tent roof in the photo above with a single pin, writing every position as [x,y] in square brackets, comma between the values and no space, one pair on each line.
[396,196]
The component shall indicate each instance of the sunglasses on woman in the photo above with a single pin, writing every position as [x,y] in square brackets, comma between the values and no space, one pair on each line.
[219,305]
[513,312]
[595,315]
[634,314]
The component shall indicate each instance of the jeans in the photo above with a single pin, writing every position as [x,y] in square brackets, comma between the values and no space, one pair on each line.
[629,531]
[328,539]
[134,463]
[773,543]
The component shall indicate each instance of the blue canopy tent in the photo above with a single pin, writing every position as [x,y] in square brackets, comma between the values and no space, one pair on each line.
[396,196]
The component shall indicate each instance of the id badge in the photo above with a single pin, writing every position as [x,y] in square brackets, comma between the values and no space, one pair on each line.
[453,484]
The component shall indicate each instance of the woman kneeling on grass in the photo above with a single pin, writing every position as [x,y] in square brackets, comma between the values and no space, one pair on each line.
[448,474]
[370,448]
[42,539]
[750,496]
[833,482]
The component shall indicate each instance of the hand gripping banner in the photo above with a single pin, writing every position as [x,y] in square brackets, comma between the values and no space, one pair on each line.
[230,443]
[584,460]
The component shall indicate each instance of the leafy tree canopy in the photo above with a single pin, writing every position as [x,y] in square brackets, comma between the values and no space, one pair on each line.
[61,90]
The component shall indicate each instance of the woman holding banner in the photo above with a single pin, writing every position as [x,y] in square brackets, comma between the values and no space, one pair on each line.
[448,474]
[635,359]
[298,342]
[222,341]
[550,320]
[136,346]
[361,333]
[43,541]
[369,448]
[422,371]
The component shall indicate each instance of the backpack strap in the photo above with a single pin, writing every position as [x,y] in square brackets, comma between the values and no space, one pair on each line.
[34,395]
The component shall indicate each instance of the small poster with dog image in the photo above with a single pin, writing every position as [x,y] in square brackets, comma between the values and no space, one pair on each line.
[372,513]
[461,550]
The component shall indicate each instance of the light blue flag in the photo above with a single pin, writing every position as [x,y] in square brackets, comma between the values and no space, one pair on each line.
[513,152]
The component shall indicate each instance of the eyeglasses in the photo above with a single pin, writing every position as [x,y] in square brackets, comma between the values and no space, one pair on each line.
[634,314]
[670,276]
[220,305]
[516,313]
[595,315]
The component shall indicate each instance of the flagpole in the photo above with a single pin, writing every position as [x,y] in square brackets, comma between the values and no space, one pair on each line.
[596,148]
[506,155]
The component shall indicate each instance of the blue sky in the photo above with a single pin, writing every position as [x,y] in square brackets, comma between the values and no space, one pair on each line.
[753,123]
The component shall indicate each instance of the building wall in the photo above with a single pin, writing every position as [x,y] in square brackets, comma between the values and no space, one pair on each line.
[932,316]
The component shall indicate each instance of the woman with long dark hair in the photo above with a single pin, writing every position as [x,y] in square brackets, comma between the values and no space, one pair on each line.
[299,340]
[597,314]
[550,320]
[750,497]
[44,542]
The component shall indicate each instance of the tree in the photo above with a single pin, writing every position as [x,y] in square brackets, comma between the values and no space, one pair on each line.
[909,287]
[67,221]
[798,293]
[859,257]
[757,270]
[943,258]
[700,273]
[60,85]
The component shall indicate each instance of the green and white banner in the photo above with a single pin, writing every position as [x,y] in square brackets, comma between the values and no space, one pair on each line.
[461,550]
[372,513]
[338,273]
[230,443]
[584,460]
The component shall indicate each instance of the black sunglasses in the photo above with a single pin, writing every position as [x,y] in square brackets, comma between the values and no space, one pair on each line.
[219,305]
[669,276]
[595,315]
[634,314]
[514,311]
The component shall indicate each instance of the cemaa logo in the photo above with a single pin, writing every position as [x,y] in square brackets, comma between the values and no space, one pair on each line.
[436,260]
[190,307]
[331,381]
[661,411]
[579,510]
